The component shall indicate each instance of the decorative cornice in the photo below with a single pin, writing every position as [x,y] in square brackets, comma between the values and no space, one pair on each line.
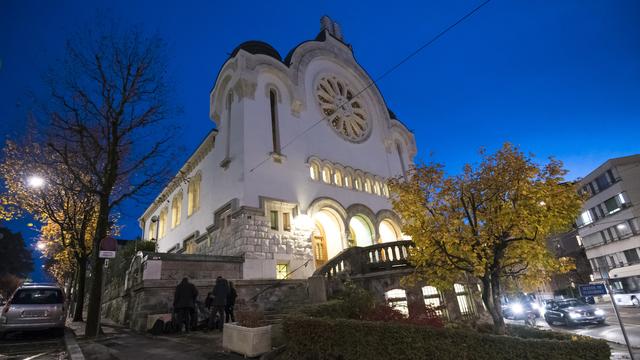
[183,174]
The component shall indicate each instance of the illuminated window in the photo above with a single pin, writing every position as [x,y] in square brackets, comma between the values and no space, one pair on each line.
[286,221]
[397,299]
[367,185]
[585,218]
[376,187]
[162,223]
[274,219]
[193,195]
[347,181]
[314,171]
[190,248]
[357,183]
[153,228]
[385,190]
[337,177]
[326,175]
[282,271]
[433,298]
[176,209]
[464,300]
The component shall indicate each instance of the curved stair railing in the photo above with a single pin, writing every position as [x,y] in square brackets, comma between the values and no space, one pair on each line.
[365,260]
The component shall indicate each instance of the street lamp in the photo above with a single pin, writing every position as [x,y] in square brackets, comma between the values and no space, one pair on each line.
[35,181]
[154,219]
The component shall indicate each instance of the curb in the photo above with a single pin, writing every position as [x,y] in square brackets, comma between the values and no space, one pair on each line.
[73,349]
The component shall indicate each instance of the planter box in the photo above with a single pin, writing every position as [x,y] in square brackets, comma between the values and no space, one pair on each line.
[249,342]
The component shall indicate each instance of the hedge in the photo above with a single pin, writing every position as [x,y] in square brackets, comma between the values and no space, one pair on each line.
[324,338]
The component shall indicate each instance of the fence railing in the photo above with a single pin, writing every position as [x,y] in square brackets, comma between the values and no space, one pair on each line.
[364,260]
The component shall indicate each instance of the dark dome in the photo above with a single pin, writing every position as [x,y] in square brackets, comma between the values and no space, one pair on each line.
[257,47]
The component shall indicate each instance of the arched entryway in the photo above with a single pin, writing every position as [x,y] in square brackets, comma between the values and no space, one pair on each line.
[327,235]
[388,231]
[360,231]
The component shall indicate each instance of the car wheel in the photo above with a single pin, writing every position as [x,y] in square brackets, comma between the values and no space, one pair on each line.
[600,322]
[567,323]
[635,302]
[2,335]
[58,332]
[549,321]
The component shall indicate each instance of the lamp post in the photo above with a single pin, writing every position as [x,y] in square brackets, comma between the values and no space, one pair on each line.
[604,274]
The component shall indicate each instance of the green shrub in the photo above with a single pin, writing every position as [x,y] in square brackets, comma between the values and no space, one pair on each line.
[323,338]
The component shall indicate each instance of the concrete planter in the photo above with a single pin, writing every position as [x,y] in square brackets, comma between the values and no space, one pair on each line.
[249,342]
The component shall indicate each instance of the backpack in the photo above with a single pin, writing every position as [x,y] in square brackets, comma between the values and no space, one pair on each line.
[157,328]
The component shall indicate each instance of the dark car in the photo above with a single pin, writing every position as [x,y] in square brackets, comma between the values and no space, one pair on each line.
[572,312]
[517,307]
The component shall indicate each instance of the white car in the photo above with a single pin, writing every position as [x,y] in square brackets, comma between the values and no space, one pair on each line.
[34,307]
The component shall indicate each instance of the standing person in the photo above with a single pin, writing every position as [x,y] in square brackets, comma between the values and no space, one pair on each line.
[184,303]
[231,302]
[220,293]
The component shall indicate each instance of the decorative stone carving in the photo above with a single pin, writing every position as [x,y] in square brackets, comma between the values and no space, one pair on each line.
[344,112]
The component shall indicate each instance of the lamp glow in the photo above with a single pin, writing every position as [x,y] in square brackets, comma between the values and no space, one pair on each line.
[35,181]
[303,222]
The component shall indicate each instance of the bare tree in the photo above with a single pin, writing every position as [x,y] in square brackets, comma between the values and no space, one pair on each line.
[109,126]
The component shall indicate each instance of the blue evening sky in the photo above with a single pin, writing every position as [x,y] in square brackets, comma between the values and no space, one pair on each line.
[558,78]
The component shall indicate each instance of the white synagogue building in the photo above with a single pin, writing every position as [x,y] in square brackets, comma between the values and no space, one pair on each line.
[296,169]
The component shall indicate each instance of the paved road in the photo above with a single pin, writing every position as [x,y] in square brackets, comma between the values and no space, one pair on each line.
[41,345]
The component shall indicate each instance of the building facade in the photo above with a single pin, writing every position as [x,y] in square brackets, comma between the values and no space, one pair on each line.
[296,169]
[609,225]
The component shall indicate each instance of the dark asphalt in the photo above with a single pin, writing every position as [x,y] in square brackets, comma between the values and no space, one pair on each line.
[36,345]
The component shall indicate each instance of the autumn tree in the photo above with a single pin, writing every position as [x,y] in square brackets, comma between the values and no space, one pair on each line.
[109,115]
[68,214]
[490,222]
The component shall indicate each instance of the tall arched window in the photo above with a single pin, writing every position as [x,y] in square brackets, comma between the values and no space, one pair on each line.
[275,130]
[162,223]
[176,210]
[326,175]
[367,185]
[337,177]
[193,195]
[357,183]
[314,171]
[348,181]
[228,129]
[401,157]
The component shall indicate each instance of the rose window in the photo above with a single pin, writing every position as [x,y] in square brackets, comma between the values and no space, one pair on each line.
[344,113]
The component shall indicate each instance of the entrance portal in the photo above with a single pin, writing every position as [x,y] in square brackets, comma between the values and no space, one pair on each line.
[327,236]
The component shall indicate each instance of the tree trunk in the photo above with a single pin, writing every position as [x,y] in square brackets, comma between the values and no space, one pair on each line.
[80,289]
[95,294]
[496,314]
[70,284]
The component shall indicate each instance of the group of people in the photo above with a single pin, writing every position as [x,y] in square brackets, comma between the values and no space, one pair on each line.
[219,303]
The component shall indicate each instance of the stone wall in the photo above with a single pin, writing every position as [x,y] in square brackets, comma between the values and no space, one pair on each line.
[152,278]
[250,235]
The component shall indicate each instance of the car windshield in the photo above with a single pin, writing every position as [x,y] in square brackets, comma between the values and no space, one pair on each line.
[570,303]
[37,296]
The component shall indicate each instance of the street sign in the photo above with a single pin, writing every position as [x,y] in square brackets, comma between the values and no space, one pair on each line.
[592,290]
[108,247]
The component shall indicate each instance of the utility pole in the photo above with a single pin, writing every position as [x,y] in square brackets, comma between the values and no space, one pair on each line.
[604,273]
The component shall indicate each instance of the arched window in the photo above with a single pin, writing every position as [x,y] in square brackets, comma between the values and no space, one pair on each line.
[347,181]
[228,129]
[314,171]
[337,177]
[357,183]
[162,223]
[401,157]
[275,130]
[193,194]
[153,229]
[385,190]
[367,185]
[176,210]
[326,175]
[376,187]
[397,299]
[464,300]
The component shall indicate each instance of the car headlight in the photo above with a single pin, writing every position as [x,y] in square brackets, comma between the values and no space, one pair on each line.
[517,308]
[599,312]
[535,306]
[574,315]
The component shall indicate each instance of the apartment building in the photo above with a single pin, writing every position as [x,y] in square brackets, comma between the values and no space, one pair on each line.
[610,222]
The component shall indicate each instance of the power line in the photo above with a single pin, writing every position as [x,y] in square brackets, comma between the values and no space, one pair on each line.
[389,71]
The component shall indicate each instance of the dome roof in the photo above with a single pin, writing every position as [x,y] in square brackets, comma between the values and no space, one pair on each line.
[257,47]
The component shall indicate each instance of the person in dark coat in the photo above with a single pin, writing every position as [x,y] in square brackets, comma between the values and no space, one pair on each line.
[184,303]
[220,293]
[231,302]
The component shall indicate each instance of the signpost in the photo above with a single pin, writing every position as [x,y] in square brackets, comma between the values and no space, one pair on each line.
[604,274]
[592,290]
[108,247]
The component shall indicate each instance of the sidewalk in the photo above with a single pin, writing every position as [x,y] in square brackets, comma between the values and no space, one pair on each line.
[119,342]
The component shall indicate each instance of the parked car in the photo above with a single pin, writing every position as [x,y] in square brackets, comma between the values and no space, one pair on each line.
[516,307]
[572,312]
[34,307]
